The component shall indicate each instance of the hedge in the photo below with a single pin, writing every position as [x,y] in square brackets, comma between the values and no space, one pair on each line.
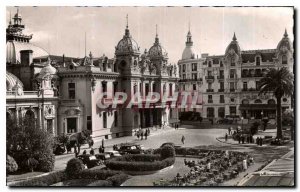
[74,167]
[11,164]
[113,178]
[46,180]
[122,164]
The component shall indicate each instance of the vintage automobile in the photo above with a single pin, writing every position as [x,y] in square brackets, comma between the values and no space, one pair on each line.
[172,144]
[103,156]
[113,153]
[130,148]
[89,160]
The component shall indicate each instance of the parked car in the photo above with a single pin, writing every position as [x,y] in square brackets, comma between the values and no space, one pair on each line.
[172,144]
[103,156]
[89,160]
[130,148]
[113,153]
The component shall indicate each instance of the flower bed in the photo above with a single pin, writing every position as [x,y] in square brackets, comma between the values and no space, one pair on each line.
[211,168]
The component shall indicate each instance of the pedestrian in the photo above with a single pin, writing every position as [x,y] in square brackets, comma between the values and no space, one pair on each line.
[226,137]
[100,149]
[92,152]
[239,138]
[160,125]
[148,131]
[257,140]
[243,139]
[75,151]
[146,134]
[229,130]
[69,149]
[261,141]
[142,134]
[182,139]
[84,152]
[102,142]
[138,135]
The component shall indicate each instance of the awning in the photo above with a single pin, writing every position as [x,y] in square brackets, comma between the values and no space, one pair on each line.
[257,106]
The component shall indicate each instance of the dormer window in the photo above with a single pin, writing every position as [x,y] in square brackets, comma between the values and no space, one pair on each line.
[284,59]
[257,59]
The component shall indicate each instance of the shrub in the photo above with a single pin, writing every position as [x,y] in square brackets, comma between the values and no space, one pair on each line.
[11,164]
[74,167]
[46,162]
[118,179]
[25,140]
[167,151]
[157,151]
[120,163]
[44,180]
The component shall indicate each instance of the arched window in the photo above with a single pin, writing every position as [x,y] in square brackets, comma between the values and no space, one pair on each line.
[29,114]
[257,101]
[284,59]
[257,61]
[271,102]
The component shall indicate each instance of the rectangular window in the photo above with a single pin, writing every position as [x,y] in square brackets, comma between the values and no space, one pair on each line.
[71,125]
[194,66]
[231,85]
[50,126]
[222,85]
[222,73]
[170,89]
[232,73]
[71,89]
[257,85]
[210,100]
[116,118]
[221,64]
[146,89]
[194,76]
[183,68]
[245,86]
[104,88]
[232,110]
[104,119]
[194,87]
[222,100]
[115,87]
[89,123]
[183,76]
[209,73]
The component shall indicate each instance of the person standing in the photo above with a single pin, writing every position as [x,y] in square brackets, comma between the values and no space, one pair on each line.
[142,135]
[229,130]
[102,143]
[146,134]
[226,137]
[182,139]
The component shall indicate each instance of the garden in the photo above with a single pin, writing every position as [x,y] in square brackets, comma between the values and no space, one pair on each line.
[208,167]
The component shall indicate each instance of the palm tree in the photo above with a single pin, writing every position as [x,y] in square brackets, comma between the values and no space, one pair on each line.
[280,82]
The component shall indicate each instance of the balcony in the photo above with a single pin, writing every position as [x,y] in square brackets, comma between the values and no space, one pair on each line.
[221,90]
[249,90]
[210,77]
[221,77]
[209,90]
[232,90]
[190,80]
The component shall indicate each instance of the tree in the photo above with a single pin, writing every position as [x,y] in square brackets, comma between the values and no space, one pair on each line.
[279,82]
[27,141]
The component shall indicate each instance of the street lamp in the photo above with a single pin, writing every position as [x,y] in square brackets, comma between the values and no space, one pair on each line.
[242,118]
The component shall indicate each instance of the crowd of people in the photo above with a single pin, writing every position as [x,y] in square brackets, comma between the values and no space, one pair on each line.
[243,138]
[142,133]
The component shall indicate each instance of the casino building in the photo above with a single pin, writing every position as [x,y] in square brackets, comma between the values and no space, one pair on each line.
[62,93]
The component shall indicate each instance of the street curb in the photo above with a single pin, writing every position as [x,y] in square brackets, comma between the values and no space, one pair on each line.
[246,145]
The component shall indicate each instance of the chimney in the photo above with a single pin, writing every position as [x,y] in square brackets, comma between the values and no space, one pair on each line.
[26,57]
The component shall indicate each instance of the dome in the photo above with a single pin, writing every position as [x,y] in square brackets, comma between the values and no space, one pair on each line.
[127,44]
[234,45]
[12,81]
[189,53]
[13,49]
[285,43]
[47,70]
[157,50]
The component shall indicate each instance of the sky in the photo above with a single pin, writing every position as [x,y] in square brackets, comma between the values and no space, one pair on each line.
[61,30]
